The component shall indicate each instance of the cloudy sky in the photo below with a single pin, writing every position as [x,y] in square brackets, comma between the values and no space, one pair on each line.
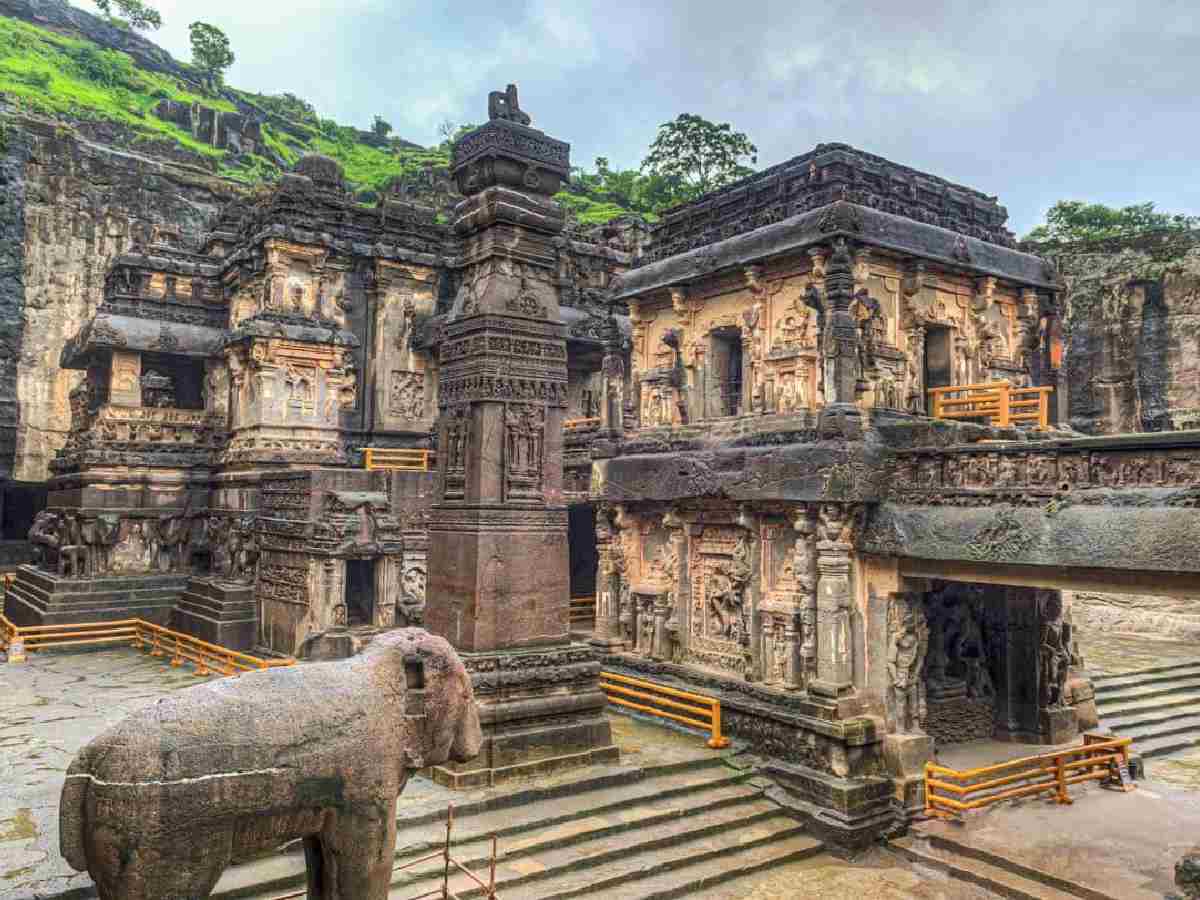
[1034,102]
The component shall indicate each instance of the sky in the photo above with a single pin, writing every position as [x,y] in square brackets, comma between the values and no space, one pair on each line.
[1032,102]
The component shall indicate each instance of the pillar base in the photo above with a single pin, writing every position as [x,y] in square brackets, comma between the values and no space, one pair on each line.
[541,711]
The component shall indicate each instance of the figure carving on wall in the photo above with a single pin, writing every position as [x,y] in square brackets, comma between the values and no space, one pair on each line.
[1054,652]
[407,394]
[906,659]
[44,535]
[411,608]
[158,390]
[627,613]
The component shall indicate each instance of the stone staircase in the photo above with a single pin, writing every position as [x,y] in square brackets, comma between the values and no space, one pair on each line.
[658,831]
[1158,707]
[998,875]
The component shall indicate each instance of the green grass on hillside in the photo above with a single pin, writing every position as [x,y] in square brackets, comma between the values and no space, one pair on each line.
[73,79]
[58,75]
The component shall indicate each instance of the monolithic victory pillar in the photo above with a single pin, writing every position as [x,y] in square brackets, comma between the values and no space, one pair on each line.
[498,585]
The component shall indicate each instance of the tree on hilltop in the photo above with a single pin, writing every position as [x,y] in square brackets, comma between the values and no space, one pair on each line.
[139,15]
[700,154]
[210,51]
[380,127]
[1076,220]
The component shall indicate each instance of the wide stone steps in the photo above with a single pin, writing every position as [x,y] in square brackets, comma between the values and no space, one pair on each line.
[1159,707]
[1002,877]
[604,834]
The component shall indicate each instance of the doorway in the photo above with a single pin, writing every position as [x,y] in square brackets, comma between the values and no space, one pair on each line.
[938,369]
[725,397]
[581,538]
[360,591]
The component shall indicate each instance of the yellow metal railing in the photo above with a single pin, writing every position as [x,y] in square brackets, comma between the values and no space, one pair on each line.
[997,401]
[953,792]
[660,700]
[399,459]
[206,658]
[580,424]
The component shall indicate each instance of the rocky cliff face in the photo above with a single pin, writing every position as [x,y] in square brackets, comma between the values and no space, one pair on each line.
[69,207]
[1132,332]
[13,152]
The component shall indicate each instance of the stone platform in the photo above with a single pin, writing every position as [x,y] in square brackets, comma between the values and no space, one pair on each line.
[39,598]
[218,612]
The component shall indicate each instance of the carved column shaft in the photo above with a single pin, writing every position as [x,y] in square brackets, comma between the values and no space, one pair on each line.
[835,664]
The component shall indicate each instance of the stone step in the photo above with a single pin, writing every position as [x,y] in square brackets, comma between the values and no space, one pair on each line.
[1161,746]
[1138,718]
[1159,704]
[709,873]
[1183,673]
[523,817]
[993,873]
[607,864]
[1145,732]
[1149,670]
[1146,699]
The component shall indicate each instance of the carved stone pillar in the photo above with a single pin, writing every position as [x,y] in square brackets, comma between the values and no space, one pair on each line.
[835,664]
[607,631]
[675,602]
[842,336]
[498,562]
[612,382]
[805,563]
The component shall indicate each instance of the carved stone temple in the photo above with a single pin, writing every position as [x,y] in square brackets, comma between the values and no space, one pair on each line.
[718,427]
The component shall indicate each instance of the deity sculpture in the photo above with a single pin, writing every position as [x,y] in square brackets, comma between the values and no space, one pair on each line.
[906,659]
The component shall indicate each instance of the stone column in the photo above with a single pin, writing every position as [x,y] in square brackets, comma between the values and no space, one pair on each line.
[805,563]
[835,666]
[498,563]
[612,382]
[607,630]
[841,337]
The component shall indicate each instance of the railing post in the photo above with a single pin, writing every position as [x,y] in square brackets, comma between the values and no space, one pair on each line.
[717,741]
[1003,405]
[1061,776]
[446,852]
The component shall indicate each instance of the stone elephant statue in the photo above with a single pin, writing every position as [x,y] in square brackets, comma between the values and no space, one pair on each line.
[161,803]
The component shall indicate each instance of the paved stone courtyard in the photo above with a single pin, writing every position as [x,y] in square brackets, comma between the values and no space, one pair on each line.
[55,702]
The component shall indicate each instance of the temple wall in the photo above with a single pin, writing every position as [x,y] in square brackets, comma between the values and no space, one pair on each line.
[82,206]
[992,335]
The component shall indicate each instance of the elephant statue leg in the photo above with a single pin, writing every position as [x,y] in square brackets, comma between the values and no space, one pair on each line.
[352,857]
[194,872]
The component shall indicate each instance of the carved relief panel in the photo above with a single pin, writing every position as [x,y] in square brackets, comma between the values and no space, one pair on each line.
[524,451]
[720,615]
[406,394]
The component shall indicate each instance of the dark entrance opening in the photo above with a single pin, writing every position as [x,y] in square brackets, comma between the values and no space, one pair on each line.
[937,357]
[20,502]
[726,397]
[581,538]
[938,361]
[360,591]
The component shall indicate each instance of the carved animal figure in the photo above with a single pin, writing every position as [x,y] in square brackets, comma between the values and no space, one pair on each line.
[157,806]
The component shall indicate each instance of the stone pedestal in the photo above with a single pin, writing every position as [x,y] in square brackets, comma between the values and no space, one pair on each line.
[499,582]
[218,612]
[1058,725]
[905,756]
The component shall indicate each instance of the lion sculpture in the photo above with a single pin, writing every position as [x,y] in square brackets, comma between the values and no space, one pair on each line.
[160,804]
